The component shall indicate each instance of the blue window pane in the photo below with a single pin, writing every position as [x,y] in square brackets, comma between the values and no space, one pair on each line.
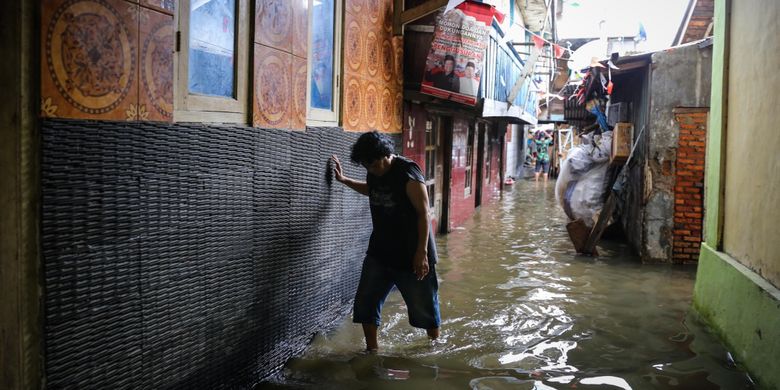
[212,47]
[323,19]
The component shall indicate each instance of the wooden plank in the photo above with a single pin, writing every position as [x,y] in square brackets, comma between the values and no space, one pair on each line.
[601,224]
[578,233]
[421,10]
[629,66]
[622,138]
[398,8]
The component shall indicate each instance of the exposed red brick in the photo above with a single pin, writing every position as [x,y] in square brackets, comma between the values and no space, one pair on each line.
[688,186]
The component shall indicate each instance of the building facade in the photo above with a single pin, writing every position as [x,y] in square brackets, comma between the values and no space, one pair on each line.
[663,97]
[464,147]
[737,281]
[170,218]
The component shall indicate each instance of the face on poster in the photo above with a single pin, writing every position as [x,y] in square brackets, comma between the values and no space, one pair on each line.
[454,66]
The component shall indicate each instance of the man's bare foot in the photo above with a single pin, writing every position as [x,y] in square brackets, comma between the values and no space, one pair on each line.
[433,333]
[369,330]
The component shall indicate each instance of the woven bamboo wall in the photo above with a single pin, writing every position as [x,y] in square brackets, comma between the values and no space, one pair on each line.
[188,255]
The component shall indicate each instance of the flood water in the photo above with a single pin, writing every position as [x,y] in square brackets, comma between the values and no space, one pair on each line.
[520,310]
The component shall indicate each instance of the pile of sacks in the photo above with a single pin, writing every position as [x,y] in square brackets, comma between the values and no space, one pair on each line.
[581,182]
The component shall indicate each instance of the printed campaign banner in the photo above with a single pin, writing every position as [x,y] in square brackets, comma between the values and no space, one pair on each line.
[454,66]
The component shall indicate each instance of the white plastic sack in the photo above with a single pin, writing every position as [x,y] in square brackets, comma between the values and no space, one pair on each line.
[602,147]
[582,199]
[580,185]
[592,150]
[578,160]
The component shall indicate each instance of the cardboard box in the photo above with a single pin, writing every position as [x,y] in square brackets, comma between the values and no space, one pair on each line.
[622,137]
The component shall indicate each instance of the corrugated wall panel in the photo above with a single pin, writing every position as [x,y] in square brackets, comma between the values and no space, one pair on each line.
[191,255]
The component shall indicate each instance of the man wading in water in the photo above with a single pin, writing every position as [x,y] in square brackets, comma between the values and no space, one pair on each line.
[401,251]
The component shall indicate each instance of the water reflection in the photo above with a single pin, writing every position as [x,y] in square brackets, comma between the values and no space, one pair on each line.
[521,310]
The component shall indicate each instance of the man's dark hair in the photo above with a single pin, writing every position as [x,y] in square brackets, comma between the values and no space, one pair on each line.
[449,58]
[471,64]
[370,147]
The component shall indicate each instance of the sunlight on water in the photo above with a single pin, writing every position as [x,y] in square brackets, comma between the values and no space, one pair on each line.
[521,310]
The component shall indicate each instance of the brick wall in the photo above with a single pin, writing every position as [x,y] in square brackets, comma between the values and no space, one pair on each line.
[689,184]
[701,17]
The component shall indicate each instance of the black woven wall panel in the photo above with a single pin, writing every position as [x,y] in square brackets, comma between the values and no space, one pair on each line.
[189,255]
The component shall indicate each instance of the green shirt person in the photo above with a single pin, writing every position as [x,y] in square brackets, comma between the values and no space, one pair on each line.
[543,142]
[542,148]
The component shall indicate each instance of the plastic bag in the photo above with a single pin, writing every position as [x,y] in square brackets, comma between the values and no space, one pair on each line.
[580,185]
[583,198]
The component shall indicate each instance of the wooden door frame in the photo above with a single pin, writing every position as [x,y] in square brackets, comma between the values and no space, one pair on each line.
[501,156]
[445,153]
[432,180]
[480,160]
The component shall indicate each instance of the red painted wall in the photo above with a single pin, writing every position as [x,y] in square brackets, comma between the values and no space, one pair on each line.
[495,181]
[413,145]
[461,205]
[413,139]
[491,190]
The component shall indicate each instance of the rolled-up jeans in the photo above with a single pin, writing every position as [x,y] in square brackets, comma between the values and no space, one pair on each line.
[376,281]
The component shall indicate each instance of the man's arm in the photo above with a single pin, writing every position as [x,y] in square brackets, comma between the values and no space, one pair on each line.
[418,195]
[359,186]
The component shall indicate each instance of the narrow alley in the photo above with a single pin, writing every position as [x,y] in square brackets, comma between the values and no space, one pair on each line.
[198,194]
[521,310]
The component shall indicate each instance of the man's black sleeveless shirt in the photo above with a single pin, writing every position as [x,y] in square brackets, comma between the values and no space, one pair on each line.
[394,238]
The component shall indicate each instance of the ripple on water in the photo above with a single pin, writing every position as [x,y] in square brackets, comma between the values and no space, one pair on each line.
[521,310]
[505,382]
[541,294]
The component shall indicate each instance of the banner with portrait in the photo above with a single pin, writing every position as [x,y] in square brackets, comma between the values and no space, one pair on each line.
[454,66]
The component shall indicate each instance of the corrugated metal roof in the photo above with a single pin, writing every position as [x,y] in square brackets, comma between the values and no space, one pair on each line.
[633,61]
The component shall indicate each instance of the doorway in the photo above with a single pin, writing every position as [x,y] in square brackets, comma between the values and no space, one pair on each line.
[444,158]
[438,139]
[480,163]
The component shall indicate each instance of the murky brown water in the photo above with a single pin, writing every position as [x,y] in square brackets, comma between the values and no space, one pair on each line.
[521,310]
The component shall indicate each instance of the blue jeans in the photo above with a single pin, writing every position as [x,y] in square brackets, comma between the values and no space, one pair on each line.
[376,281]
